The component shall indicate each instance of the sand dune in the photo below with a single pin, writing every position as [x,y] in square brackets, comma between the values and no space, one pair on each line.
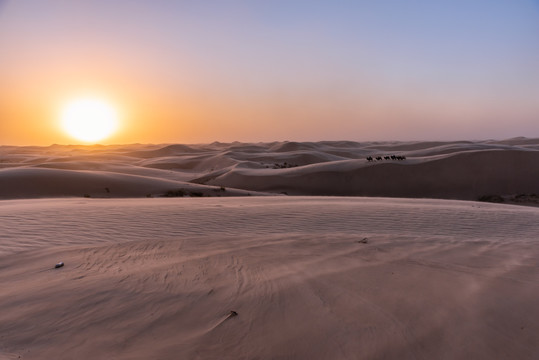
[310,278]
[466,175]
[465,170]
[38,183]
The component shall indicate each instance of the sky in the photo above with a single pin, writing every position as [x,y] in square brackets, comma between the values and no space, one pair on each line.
[273,70]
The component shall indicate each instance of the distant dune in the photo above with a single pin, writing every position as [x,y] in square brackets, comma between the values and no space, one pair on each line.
[466,170]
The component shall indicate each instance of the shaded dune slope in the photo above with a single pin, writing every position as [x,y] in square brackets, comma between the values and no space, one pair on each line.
[38,182]
[465,175]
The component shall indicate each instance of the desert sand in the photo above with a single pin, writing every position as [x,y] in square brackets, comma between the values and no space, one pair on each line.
[425,272]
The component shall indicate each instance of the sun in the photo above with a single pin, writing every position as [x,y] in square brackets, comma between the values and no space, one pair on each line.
[89,120]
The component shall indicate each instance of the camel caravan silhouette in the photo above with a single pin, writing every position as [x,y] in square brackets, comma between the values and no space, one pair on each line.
[386,157]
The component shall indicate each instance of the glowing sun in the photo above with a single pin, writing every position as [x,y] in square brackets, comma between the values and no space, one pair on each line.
[89,120]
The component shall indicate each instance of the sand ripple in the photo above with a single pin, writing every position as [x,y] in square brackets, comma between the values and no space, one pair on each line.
[36,223]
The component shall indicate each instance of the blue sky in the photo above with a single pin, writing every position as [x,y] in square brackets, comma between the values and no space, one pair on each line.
[276,70]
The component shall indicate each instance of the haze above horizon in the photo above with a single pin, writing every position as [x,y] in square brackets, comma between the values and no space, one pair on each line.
[197,72]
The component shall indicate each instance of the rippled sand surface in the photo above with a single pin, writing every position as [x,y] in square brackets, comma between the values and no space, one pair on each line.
[309,278]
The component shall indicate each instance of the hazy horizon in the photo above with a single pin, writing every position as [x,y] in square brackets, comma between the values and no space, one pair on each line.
[255,71]
[380,141]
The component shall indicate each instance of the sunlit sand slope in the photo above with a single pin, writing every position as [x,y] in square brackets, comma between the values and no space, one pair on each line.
[309,278]
[466,170]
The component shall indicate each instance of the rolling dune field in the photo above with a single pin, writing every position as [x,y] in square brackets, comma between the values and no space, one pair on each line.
[445,170]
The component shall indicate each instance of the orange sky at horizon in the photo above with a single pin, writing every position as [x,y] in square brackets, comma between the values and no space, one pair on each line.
[148,114]
[193,73]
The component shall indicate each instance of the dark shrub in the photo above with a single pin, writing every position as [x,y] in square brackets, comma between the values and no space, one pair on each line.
[491,198]
[175,193]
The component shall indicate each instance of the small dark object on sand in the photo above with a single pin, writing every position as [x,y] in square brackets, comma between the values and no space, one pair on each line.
[232,313]
[59,265]
[363,241]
